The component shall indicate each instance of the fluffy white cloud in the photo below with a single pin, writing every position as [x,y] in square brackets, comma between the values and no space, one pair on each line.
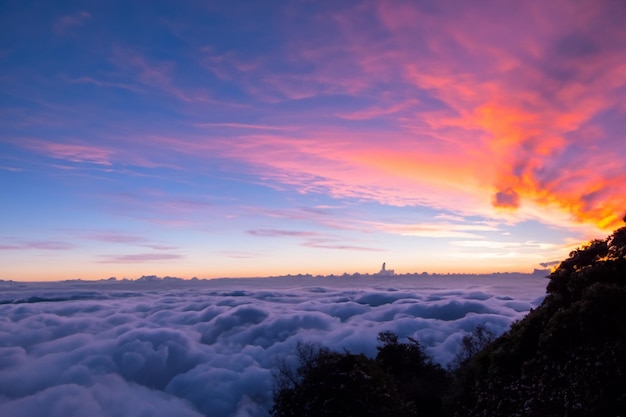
[165,348]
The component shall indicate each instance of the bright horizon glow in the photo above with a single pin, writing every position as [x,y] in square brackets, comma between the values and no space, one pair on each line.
[265,139]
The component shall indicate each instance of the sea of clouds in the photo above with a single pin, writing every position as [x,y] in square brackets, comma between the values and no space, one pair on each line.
[209,348]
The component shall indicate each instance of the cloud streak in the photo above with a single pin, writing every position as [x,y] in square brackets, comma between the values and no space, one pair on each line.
[281,233]
[140,258]
[313,240]
[76,153]
[37,245]
[66,24]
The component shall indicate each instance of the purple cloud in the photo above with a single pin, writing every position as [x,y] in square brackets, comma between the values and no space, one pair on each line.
[65,24]
[112,236]
[281,233]
[333,244]
[506,199]
[38,245]
[140,258]
[313,239]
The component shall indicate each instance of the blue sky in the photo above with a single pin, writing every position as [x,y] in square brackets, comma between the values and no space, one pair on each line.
[246,138]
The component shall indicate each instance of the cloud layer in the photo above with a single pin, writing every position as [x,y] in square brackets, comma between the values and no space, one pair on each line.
[162,348]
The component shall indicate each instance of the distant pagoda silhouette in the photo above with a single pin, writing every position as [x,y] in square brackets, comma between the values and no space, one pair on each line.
[384,272]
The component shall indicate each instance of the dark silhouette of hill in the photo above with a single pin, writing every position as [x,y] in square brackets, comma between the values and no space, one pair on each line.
[565,358]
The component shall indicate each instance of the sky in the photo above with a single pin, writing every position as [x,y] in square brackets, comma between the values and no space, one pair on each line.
[248,138]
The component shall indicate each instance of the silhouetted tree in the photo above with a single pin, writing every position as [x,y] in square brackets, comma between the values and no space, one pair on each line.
[329,384]
[473,343]
[421,383]
[400,381]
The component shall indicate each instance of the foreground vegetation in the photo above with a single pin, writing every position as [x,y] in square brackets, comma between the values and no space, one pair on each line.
[565,358]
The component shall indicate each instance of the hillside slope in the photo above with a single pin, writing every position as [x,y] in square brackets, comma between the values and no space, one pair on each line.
[565,358]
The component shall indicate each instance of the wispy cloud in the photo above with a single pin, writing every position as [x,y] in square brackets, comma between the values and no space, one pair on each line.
[37,245]
[140,258]
[111,236]
[75,154]
[491,244]
[315,239]
[78,153]
[106,84]
[11,169]
[246,126]
[67,23]
[240,254]
[227,65]
[336,244]
[281,233]
[435,230]
[375,112]
[159,75]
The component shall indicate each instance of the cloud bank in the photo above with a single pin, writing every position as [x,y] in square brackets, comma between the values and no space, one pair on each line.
[196,348]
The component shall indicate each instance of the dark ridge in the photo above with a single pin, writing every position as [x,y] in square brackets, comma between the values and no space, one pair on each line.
[568,356]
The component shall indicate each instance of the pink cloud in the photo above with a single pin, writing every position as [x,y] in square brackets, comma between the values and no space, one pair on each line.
[281,233]
[159,75]
[112,237]
[110,158]
[117,237]
[323,216]
[67,23]
[225,65]
[78,153]
[313,239]
[246,126]
[335,245]
[240,254]
[375,112]
[435,230]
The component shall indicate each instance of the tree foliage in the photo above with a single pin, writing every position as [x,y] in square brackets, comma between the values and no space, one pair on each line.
[568,356]
[400,381]
[471,344]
